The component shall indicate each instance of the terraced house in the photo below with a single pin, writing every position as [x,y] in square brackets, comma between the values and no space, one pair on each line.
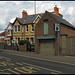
[47,37]
[8,34]
[24,28]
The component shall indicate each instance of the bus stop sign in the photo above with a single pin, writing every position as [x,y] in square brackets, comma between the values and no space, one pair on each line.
[57,28]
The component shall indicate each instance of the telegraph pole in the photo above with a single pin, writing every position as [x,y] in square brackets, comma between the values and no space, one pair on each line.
[35,25]
[57,29]
[34,7]
[58,43]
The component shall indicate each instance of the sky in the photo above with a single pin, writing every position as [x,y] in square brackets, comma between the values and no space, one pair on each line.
[9,10]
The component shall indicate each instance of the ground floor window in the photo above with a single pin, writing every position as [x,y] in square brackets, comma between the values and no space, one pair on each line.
[18,40]
[9,42]
[31,40]
[28,39]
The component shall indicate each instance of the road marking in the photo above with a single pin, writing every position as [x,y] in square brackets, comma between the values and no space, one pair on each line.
[42,59]
[25,69]
[4,73]
[29,70]
[70,56]
[13,71]
[19,63]
[20,70]
[42,67]
[5,57]
[53,73]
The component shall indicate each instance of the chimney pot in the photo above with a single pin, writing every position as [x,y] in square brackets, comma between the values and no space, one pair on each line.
[56,10]
[24,13]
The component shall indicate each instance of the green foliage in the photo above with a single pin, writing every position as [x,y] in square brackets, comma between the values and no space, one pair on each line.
[22,42]
[2,43]
[11,37]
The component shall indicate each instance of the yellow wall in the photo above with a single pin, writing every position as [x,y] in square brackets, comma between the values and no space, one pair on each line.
[24,35]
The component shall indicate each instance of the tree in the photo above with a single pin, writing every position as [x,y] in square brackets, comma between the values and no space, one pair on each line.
[22,42]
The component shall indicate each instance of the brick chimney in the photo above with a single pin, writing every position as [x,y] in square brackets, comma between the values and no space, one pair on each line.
[24,13]
[56,10]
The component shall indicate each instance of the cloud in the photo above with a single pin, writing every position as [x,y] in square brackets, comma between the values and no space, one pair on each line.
[13,9]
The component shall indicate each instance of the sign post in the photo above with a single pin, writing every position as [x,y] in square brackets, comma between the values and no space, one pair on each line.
[57,28]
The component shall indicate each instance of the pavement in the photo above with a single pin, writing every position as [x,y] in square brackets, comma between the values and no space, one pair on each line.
[59,59]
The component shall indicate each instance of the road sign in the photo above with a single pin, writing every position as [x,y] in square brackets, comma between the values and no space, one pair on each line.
[57,27]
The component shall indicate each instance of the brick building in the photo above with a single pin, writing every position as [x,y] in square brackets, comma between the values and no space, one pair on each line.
[46,36]
[8,34]
[2,35]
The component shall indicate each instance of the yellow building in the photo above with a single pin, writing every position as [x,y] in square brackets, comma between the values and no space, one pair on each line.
[24,28]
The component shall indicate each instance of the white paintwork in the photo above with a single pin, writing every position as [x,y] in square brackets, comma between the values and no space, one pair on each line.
[36,18]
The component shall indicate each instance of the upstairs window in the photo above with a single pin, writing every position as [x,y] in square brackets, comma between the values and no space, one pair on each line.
[28,39]
[45,27]
[32,27]
[31,40]
[22,28]
[18,28]
[15,29]
[8,31]
[26,28]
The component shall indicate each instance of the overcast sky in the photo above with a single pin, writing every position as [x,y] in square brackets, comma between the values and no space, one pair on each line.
[13,9]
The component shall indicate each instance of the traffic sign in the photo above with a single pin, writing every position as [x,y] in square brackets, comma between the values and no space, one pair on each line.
[57,27]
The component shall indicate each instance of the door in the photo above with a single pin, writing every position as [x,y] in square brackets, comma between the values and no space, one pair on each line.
[47,47]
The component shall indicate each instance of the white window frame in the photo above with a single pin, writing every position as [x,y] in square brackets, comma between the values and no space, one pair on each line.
[18,28]
[32,28]
[26,28]
[31,41]
[14,29]
[22,29]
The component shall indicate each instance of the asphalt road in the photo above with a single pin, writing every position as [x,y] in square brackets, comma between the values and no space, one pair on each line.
[15,64]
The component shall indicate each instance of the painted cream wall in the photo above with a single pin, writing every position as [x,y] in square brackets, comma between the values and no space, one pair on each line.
[24,35]
[16,35]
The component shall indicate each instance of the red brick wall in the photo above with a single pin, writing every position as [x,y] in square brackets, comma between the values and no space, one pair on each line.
[67,30]
[23,48]
[40,25]
[63,30]
[40,29]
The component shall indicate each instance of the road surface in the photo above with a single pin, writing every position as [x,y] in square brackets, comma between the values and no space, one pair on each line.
[11,63]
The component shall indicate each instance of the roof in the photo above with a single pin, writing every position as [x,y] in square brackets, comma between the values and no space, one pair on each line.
[61,20]
[2,34]
[10,24]
[28,19]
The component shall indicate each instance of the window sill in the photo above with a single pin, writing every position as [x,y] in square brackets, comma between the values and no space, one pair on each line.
[16,32]
[26,31]
[32,31]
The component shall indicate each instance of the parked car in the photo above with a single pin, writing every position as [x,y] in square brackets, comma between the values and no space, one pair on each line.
[32,47]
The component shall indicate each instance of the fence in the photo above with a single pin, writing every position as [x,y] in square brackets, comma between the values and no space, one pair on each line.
[15,47]
[70,49]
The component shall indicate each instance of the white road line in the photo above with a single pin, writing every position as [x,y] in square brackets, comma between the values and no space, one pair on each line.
[5,57]
[42,67]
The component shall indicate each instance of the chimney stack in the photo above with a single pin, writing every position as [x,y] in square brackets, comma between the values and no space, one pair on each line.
[56,10]
[24,13]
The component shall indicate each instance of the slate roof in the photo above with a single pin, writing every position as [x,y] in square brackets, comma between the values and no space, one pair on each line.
[30,18]
[2,34]
[27,19]
[8,25]
[61,20]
